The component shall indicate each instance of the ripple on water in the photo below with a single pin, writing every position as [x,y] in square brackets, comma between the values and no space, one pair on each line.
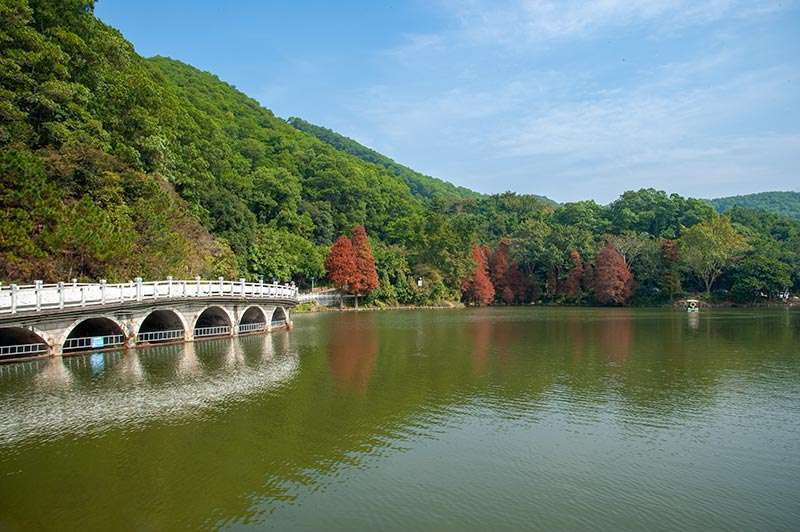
[488,419]
[71,405]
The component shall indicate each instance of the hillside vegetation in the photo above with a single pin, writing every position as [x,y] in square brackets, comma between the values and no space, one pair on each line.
[94,138]
[421,185]
[112,166]
[784,203]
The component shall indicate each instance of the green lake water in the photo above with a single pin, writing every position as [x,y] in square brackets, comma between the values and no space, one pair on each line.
[496,419]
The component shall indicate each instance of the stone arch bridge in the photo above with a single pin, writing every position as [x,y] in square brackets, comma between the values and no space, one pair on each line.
[57,319]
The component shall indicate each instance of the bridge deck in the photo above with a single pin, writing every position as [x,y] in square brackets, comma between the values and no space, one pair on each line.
[40,297]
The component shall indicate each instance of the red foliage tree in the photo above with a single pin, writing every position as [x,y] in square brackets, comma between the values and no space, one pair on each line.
[613,281]
[478,287]
[572,286]
[669,251]
[366,276]
[498,266]
[341,264]
[517,283]
[499,270]
[509,282]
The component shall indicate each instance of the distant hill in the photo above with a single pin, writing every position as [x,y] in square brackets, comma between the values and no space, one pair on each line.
[785,203]
[423,186]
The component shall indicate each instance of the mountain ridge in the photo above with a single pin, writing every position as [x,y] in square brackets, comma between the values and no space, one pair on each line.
[783,202]
[420,184]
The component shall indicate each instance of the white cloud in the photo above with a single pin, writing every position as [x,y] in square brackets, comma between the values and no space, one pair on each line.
[665,131]
[522,22]
[497,114]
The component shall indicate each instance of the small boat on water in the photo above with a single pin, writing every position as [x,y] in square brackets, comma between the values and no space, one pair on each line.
[692,305]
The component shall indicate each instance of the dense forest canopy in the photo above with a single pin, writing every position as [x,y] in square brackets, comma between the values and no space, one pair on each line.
[423,186]
[785,203]
[113,166]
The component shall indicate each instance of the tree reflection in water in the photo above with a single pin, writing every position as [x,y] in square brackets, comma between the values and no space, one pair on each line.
[353,344]
[615,336]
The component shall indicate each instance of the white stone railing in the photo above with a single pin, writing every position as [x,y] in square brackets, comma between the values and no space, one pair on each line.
[327,298]
[40,297]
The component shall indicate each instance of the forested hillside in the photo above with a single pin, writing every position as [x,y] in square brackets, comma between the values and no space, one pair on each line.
[86,143]
[94,139]
[112,166]
[784,203]
[421,185]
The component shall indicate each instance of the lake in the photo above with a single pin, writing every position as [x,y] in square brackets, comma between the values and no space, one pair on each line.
[502,419]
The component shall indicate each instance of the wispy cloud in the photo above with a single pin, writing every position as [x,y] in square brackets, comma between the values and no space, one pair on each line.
[662,132]
[521,22]
[501,109]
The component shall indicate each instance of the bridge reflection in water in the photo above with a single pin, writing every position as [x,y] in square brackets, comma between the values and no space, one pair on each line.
[94,390]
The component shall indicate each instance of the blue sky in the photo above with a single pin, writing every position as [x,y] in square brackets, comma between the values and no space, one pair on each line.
[568,99]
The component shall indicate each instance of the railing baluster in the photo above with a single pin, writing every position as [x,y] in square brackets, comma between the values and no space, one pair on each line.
[38,295]
[14,290]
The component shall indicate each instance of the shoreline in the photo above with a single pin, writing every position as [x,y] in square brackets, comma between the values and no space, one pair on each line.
[460,306]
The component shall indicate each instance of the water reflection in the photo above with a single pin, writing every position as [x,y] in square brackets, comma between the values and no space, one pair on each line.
[694,320]
[566,418]
[86,393]
[189,366]
[481,333]
[616,336]
[52,375]
[353,346]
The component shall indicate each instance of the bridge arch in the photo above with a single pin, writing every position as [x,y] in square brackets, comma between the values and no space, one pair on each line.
[214,320]
[280,317]
[162,325]
[253,319]
[94,332]
[19,342]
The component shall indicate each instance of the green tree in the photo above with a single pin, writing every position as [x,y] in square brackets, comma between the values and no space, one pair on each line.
[93,238]
[710,247]
[656,213]
[759,276]
[279,254]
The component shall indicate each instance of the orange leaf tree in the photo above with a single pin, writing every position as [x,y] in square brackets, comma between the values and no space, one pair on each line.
[613,281]
[366,278]
[478,288]
[341,264]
